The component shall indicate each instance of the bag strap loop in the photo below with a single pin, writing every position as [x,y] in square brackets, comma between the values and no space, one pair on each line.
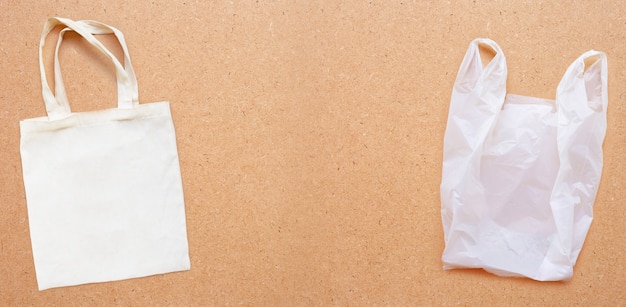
[472,73]
[57,106]
[589,72]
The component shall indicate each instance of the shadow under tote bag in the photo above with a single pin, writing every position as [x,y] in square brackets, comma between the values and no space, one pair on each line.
[103,188]
[520,174]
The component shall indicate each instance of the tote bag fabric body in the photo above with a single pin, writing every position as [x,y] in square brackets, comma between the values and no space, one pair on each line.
[520,174]
[103,189]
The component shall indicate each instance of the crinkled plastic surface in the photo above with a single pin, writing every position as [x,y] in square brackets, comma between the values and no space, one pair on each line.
[520,174]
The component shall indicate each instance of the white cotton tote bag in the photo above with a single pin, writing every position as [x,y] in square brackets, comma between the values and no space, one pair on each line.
[103,188]
[520,174]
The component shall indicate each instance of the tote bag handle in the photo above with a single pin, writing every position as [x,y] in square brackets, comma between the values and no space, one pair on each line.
[95,27]
[57,106]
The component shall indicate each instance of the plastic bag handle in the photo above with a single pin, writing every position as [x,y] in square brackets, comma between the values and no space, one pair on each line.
[580,170]
[58,106]
[577,75]
[472,71]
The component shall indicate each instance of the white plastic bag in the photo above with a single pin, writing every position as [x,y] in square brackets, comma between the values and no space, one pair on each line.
[520,174]
[103,189]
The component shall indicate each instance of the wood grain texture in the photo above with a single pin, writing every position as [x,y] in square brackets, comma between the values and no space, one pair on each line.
[310,138]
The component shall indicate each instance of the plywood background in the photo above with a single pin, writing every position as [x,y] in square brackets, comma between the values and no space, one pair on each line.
[310,137]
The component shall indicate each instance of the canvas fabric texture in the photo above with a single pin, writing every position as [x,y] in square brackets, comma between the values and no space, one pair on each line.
[103,188]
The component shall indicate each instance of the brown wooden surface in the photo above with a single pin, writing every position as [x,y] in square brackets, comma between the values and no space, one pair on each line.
[310,139]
